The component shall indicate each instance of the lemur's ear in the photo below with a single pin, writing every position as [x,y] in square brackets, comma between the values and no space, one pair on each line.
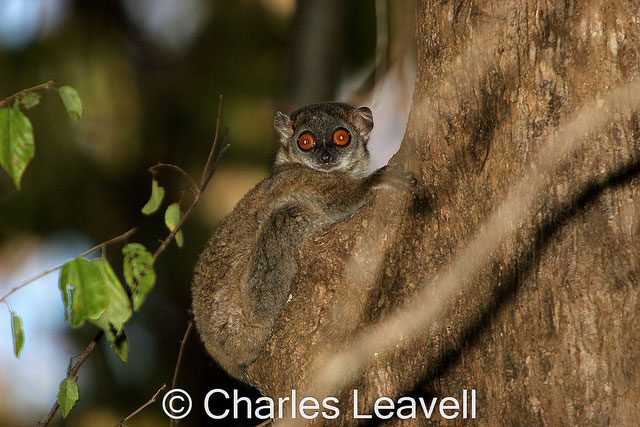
[282,124]
[362,118]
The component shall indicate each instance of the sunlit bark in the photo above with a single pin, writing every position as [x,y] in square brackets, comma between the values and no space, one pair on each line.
[547,330]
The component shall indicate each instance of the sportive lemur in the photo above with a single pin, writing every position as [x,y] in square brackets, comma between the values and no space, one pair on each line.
[242,278]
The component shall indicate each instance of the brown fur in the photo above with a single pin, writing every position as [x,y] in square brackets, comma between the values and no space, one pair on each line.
[242,278]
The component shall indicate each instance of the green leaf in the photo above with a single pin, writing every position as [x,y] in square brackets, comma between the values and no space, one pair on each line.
[84,294]
[71,101]
[118,310]
[17,147]
[120,346]
[171,219]
[138,272]
[18,333]
[92,291]
[157,194]
[172,216]
[179,239]
[30,100]
[67,396]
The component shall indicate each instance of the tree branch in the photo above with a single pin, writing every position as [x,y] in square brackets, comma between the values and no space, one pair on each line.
[207,171]
[149,402]
[73,375]
[123,236]
[180,353]
[154,169]
[176,370]
[43,86]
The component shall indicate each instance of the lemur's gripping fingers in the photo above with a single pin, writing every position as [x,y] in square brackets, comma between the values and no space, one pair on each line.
[393,177]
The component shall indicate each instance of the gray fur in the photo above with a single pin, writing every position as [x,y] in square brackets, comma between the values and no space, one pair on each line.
[242,278]
[322,120]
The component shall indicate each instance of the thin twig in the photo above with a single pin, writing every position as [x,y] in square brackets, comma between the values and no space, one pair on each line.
[174,381]
[149,402]
[206,171]
[183,218]
[178,227]
[218,157]
[123,236]
[180,353]
[73,375]
[43,86]
[153,169]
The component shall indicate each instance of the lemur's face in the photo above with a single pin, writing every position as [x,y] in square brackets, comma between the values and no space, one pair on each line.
[326,137]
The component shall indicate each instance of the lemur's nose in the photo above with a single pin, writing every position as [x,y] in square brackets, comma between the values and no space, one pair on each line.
[325,157]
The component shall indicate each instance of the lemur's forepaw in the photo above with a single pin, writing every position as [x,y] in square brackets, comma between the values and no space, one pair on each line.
[394,177]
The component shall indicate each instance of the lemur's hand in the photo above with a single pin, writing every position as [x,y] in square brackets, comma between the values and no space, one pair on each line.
[393,177]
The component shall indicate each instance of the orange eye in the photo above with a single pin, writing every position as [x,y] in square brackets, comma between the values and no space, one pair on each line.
[306,141]
[341,137]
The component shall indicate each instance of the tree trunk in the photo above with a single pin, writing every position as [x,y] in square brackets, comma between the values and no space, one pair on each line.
[546,329]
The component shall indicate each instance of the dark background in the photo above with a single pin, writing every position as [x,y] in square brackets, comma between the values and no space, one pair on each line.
[149,73]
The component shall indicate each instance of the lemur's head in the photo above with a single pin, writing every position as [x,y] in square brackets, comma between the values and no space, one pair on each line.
[327,137]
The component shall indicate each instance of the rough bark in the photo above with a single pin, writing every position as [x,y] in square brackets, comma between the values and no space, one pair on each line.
[547,332]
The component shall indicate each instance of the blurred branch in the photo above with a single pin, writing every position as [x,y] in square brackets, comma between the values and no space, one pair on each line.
[43,86]
[382,40]
[207,171]
[123,236]
[317,61]
[149,402]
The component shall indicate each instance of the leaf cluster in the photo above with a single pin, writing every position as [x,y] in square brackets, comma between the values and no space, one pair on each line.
[17,145]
